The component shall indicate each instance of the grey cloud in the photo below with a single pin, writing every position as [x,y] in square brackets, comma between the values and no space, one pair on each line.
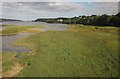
[31,10]
[107,7]
[60,0]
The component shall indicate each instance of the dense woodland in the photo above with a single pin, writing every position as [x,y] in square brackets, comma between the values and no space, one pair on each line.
[103,20]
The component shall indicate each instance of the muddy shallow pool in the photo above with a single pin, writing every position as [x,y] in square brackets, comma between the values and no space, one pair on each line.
[8,41]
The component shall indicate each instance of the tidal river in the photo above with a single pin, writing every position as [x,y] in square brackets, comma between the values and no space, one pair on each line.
[8,41]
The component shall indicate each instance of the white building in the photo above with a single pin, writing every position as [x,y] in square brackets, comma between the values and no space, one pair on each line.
[60,20]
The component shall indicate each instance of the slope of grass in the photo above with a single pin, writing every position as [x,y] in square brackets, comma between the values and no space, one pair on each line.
[71,54]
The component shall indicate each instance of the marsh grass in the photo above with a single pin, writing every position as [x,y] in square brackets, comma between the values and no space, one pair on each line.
[81,53]
[80,27]
[72,54]
[17,29]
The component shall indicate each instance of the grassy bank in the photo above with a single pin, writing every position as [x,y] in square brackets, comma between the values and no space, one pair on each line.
[8,59]
[11,65]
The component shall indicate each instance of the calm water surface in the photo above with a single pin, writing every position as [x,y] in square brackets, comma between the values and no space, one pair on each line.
[8,41]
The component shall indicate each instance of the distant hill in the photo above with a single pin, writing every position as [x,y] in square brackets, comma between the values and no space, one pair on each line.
[2,20]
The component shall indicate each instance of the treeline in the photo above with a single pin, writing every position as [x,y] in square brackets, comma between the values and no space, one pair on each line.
[3,20]
[103,20]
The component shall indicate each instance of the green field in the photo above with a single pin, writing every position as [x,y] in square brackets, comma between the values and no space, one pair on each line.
[79,52]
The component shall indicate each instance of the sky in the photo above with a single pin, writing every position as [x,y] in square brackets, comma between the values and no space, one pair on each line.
[33,10]
[60,0]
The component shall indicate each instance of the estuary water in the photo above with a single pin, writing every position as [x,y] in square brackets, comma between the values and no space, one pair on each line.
[8,41]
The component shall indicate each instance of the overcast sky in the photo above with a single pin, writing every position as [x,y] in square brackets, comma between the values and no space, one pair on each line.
[60,0]
[34,10]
